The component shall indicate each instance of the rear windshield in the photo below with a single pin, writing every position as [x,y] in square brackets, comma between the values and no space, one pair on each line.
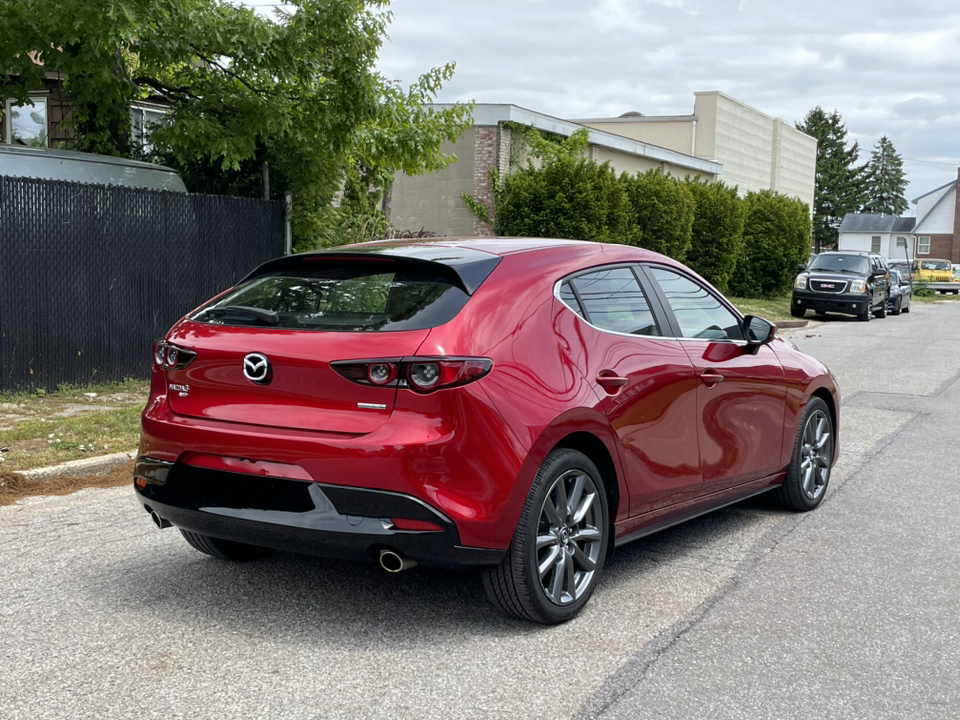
[858,264]
[343,296]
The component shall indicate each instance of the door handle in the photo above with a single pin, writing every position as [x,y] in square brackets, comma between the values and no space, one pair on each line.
[711,379]
[610,382]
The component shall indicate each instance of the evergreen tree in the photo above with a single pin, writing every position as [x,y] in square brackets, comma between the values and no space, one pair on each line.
[840,187]
[885,181]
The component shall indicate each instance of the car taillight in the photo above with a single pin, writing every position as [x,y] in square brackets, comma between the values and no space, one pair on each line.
[422,375]
[171,357]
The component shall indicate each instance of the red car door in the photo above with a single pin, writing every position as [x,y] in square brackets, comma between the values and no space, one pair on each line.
[645,385]
[741,391]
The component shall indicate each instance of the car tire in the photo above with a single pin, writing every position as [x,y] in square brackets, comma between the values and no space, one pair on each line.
[896,309]
[797,312]
[809,472]
[907,308]
[865,315]
[225,549]
[569,543]
[882,310]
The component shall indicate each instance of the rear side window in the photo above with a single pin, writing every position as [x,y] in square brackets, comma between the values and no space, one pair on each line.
[613,300]
[343,296]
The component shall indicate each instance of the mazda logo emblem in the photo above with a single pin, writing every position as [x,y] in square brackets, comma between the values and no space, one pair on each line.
[256,368]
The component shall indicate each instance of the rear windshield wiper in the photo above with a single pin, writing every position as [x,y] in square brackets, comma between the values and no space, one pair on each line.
[245,312]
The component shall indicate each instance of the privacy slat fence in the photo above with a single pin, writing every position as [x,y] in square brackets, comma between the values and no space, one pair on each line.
[91,275]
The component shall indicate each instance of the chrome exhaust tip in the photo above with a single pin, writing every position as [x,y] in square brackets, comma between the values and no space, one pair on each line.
[158,521]
[394,562]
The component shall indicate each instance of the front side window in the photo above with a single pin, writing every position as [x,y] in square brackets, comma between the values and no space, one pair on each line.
[923,245]
[699,313]
[26,124]
[342,296]
[613,300]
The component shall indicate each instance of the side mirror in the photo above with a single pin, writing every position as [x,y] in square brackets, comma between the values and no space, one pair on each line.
[801,267]
[758,331]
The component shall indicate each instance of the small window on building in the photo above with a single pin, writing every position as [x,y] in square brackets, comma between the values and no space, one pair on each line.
[144,119]
[26,124]
[923,245]
[875,244]
[901,242]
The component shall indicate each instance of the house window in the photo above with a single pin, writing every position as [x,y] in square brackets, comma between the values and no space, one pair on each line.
[875,244]
[144,119]
[901,242]
[26,123]
[923,245]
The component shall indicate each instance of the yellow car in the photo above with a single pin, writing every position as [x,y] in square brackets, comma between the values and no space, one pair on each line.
[933,271]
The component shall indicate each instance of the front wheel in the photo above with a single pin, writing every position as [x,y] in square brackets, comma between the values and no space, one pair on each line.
[797,312]
[882,310]
[809,471]
[557,554]
[898,307]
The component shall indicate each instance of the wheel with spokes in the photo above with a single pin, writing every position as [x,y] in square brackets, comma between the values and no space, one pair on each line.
[557,554]
[809,471]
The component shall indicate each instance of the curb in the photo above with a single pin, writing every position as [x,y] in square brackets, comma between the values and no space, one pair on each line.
[791,324]
[76,468]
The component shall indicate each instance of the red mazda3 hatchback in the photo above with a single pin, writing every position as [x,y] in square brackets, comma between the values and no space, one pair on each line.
[517,406]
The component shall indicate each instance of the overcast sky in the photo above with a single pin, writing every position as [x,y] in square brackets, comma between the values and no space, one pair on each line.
[889,67]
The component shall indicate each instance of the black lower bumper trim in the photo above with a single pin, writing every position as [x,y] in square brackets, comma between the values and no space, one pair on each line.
[305,517]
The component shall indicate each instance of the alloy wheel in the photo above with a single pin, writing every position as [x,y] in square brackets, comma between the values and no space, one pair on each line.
[569,537]
[816,453]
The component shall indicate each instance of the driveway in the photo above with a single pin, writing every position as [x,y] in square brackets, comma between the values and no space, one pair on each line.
[850,611]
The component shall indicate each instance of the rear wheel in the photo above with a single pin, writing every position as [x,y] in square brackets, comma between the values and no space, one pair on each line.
[809,471]
[225,549]
[557,554]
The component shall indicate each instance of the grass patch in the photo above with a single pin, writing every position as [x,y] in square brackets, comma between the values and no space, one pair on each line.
[776,309]
[43,429]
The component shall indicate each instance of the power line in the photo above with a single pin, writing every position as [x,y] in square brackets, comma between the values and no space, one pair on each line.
[933,163]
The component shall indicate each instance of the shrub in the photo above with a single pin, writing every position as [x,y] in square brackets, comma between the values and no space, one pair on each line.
[717,234]
[568,197]
[776,238]
[661,212]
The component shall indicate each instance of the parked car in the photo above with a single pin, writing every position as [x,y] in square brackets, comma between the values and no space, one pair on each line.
[52,164]
[939,273]
[901,293]
[516,406]
[847,282]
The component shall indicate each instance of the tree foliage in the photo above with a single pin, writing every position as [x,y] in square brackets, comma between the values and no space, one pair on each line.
[885,180]
[776,239]
[299,91]
[661,212]
[839,180]
[717,235]
[559,193]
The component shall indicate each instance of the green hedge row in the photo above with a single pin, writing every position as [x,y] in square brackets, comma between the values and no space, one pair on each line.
[748,246]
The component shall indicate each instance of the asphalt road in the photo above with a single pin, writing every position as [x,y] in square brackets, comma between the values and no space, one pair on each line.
[852,611]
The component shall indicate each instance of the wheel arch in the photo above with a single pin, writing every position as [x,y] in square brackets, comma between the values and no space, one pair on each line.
[831,403]
[598,453]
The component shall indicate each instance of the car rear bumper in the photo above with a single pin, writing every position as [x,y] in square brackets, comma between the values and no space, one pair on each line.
[301,515]
[846,303]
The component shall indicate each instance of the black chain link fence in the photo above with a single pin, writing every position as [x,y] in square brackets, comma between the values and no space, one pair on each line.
[91,275]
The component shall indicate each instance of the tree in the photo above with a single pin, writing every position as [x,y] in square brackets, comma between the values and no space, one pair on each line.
[717,236]
[299,92]
[776,238]
[885,181]
[662,212]
[839,180]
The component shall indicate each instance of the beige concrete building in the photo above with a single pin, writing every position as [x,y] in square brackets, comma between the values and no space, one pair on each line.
[757,151]
[434,201]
